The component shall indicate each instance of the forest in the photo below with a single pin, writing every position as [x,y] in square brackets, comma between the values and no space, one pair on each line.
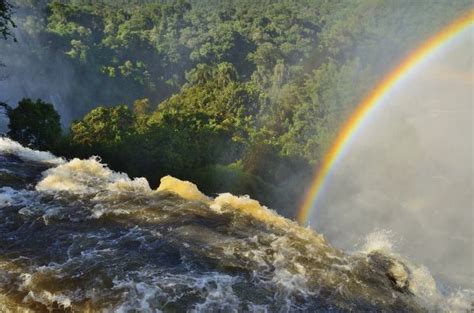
[239,96]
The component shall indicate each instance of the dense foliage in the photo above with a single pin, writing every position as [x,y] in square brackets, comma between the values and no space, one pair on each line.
[6,22]
[34,124]
[228,91]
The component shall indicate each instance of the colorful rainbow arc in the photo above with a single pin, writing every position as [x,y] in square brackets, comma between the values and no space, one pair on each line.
[367,106]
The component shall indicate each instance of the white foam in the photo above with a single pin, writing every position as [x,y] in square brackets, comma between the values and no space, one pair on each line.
[43,296]
[88,177]
[6,198]
[184,189]
[140,295]
[248,206]
[219,294]
[47,298]
[144,294]
[11,197]
[421,283]
[8,146]
[379,241]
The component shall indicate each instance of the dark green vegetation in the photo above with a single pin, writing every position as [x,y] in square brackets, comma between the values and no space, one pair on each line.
[240,96]
[6,22]
[34,124]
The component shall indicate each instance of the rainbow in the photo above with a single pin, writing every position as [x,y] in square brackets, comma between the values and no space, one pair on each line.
[370,103]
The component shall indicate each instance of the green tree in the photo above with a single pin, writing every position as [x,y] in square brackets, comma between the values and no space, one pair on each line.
[6,22]
[200,75]
[35,124]
[215,92]
[225,74]
[264,84]
[103,127]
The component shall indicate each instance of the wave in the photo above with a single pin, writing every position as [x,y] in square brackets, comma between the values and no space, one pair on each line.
[8,146]
[77,236]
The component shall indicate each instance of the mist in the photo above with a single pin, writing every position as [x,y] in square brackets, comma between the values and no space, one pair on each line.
[32,70]
[409,170]
[35,67]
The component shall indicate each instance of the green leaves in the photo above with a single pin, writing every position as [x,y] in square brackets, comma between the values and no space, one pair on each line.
[6,21]
[104,126]
[266,83]
[34,124]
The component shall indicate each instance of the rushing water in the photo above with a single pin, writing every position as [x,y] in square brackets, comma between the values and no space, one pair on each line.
[78,237]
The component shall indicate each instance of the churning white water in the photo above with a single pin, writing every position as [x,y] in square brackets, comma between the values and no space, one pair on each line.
[77,236]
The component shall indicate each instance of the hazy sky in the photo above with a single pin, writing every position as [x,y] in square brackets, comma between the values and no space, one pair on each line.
[410,170]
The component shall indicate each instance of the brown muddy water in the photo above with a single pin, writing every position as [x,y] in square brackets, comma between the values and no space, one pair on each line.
[78,237]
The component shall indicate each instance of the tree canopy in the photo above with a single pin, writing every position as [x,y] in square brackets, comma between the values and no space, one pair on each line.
[35,124]
[227,93]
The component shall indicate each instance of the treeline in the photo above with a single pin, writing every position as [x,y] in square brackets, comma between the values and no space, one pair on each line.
[241,96]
